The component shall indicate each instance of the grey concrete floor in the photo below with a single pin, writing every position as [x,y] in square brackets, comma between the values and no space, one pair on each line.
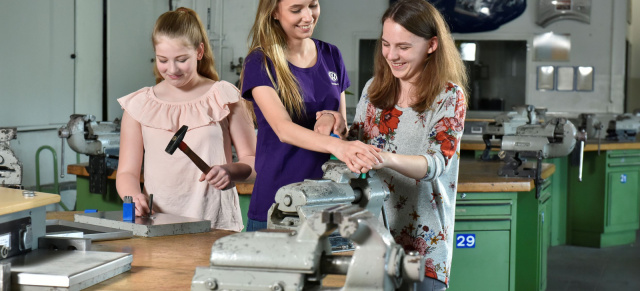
[594,269]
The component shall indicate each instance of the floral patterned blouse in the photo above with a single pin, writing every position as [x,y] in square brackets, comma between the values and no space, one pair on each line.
[420,212]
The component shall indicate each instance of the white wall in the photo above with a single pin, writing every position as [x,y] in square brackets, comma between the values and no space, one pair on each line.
[599,44]
[344,23]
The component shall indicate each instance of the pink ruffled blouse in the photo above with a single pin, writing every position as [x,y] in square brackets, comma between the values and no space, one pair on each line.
[173,179]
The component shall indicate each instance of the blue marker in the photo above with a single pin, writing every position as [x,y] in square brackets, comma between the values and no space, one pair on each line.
[128,209]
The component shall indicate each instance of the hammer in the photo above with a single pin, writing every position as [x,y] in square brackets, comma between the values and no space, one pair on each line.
[176,142]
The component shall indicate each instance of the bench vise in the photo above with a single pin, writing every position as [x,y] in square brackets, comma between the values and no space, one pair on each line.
[537,138]
[624,127]
[99,140]
[10,166]
[299,260]
[295,203]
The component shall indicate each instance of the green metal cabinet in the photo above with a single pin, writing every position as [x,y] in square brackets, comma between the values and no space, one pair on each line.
[603,208]
[489,265]
[110,201]
[533,238]
[558,202]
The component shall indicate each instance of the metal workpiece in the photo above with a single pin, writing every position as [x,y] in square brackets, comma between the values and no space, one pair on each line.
[10,167]
[299,260]
[66,270]
[294,203]
[56,227]
[159,224]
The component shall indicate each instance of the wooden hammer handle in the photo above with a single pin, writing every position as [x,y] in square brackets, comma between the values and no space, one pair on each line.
[194,157]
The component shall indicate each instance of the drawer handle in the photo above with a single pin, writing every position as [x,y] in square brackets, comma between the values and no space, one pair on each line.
[487,204]
[624,164]
[624,156]
[480,220]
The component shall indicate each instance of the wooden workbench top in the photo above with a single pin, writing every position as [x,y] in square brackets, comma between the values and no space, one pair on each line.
[592,145]
[13,200]
[480,176]
[474,176]
[244,188]
[161,263]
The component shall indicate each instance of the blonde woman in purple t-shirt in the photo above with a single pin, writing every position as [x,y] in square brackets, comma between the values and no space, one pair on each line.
[290,77]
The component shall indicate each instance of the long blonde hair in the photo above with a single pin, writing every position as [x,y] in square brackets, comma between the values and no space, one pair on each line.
[268,36]
[443,65]
[185,23]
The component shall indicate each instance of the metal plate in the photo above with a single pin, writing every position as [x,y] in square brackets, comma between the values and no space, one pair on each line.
[66,270]
[159,224]
[94,232]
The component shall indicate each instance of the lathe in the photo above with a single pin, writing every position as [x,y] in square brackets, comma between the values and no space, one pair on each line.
[523,135]
[299,260]
[295,203]
[10,167]
[99,140]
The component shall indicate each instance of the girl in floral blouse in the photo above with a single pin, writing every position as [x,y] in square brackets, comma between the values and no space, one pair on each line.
[414,110]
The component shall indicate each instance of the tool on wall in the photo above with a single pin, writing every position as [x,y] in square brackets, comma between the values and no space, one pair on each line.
[299,260]
[100,140]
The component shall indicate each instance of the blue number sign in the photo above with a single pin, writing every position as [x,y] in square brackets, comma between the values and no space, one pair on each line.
[465,241]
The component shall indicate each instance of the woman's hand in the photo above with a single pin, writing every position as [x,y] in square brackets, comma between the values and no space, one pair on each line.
[359,157]
[324,124]
[339,125]
[218,177]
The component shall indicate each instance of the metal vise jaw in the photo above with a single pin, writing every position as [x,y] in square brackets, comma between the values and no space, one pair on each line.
[624,127]
[294,203]
[10,167]
[299,260]
[99,140]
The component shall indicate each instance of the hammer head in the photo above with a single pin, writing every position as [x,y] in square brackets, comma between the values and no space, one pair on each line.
[176,140]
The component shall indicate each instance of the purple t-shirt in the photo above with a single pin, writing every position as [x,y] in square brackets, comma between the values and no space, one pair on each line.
[277,163]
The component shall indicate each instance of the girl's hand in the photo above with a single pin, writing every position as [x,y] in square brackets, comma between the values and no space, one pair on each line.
[339,125]
[218,177]
[359,157]
[324,124]
[142,205]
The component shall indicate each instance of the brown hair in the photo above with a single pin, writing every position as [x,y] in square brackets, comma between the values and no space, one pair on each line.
[443,65]
[268,36]
[185,23]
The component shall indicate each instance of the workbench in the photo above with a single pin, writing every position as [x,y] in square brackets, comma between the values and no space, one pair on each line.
[603,209]
[162,263]
[488,207]
[558,201]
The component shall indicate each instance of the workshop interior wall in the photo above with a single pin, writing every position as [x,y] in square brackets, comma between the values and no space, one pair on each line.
[600,44]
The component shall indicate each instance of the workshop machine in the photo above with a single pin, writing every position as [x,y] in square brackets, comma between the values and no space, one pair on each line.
[523,135]
[295,203]
[624,127]
[10,167]
[100,140]
[299,260]
[31,260]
